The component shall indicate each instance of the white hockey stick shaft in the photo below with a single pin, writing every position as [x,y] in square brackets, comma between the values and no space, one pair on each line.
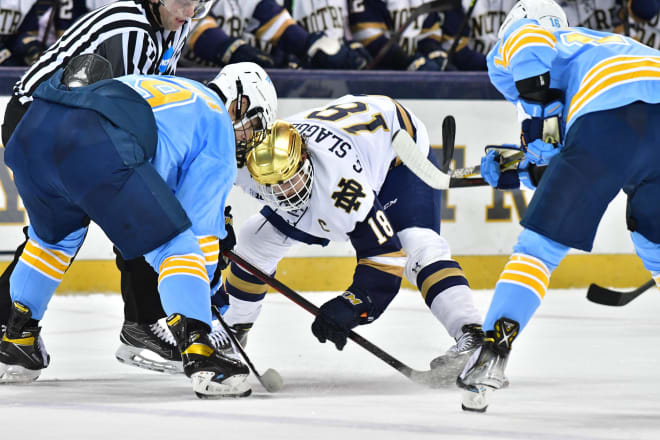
[413,158]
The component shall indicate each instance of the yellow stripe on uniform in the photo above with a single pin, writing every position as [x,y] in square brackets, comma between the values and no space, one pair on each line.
[273,29]
[48,262]
[611,73]
[387,268]
[526,36]
[245,286]
[526,271]
[439,276]
[404,117]
[210,247]
[190,265]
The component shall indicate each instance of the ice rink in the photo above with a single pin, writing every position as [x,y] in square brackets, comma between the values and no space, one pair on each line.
[579,371]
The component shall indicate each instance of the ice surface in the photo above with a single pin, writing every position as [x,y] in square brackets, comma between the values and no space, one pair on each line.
[579,371]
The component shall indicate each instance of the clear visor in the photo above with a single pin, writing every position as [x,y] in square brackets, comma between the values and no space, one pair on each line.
[198,8]
[293,194]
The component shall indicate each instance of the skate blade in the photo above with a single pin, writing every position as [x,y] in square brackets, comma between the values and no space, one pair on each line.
[475,398]
[17,374]
[205,388]
[137,357]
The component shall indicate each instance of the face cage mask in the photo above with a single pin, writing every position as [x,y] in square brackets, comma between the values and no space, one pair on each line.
[201,7]
[291,195]
[246,117]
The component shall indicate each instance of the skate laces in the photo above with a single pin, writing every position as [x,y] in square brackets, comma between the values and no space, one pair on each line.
[162,333]
[471,338]
[220,339]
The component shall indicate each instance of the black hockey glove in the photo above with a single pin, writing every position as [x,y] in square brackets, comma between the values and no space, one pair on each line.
[328,53]
[338,316]
[227,243]
[435,61]
[238,50]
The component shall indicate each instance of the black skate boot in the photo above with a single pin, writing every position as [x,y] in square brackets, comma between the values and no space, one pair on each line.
[213,372]
[484,371]
[22,351]
[241,332]
[149,346]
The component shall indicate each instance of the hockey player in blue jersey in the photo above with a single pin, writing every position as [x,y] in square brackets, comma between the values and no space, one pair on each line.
[151,160]
[588,102]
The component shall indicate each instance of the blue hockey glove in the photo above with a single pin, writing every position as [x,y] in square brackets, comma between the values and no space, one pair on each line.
[490,171]
[338,316]
[542,130]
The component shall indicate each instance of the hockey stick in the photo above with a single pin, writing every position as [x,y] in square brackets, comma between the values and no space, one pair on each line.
[448,139]
[407,150]
[433,378]
[271,379]
[457,38]
[607,297]
[427,8]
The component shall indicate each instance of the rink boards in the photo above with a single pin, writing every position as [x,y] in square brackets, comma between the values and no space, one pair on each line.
[480,224]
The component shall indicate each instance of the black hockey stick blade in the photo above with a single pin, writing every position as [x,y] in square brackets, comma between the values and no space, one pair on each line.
[466,182]
[448,139]
[434,378]
[607,297]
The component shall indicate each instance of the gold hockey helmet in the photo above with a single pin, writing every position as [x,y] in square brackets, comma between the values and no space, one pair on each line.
[281,168]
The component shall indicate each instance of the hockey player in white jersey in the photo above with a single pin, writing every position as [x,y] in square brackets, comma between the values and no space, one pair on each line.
[313,37]
[330,174]
[608,15]
[19,43]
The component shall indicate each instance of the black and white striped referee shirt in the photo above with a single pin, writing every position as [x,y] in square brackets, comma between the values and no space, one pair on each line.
[125,32]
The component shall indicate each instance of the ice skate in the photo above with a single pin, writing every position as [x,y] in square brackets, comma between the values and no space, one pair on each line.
[214,373]
[22,351]
[484,371]
[452,362]
[149,346]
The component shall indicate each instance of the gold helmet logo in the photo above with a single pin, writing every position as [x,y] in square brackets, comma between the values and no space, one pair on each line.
[278,157]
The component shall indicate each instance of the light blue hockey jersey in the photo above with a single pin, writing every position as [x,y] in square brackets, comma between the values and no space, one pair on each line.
[595,70]
[196,147]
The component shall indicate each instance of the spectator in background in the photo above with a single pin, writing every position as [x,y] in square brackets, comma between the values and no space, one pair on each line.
[479,34]
[421,45]
[19,27]
[259,30]
[609,15]
[647,32]
[56,16]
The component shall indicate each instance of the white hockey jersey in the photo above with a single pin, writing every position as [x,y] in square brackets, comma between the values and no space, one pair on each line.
[329,16]
[485,22]
[13,13]
[371,26]
[350,145]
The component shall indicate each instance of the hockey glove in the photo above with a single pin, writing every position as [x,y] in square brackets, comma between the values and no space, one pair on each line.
[325,52]
[237,50]
[542,128]
[227,243]
[338,316]
[491,172]
[435,61]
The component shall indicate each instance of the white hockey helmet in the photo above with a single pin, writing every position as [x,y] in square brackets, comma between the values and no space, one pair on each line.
[249,80]
[547,12]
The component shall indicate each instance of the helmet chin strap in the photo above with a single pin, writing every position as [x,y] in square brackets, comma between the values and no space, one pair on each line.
[239,100]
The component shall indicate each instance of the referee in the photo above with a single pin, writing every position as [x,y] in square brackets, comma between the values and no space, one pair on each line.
[136,36]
